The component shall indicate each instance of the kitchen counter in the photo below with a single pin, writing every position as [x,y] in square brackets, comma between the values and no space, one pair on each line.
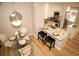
[60,35]
[57,33]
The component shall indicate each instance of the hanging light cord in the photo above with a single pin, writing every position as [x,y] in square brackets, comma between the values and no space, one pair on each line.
[13,3]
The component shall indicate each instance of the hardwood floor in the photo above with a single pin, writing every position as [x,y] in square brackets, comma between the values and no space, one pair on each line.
[4,51]
[71,48]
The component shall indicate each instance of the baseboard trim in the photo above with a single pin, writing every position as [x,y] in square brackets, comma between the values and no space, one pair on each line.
[35,36]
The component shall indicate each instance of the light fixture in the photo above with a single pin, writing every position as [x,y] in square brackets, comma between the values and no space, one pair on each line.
[15,18]
[68,9]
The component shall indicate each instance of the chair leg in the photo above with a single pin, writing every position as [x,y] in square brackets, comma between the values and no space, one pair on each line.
[38,36]
[50,47]
[43,42]
[53,44]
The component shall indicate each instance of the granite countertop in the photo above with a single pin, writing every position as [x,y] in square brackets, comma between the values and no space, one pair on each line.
[57,32]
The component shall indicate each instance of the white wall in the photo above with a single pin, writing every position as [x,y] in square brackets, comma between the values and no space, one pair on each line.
[33,15]
[38,16]
[55,7]
[44,10]
[6,9]
[61,7]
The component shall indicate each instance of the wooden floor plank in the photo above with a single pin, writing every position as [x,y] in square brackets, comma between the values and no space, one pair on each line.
[71,48]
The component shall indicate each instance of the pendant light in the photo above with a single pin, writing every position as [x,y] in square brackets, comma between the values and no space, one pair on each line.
[15,18]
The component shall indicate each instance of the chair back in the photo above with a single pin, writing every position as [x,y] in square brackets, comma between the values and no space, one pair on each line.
[23,31]
[3,38]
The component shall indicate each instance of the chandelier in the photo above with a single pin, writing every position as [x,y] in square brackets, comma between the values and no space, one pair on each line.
[15,18]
